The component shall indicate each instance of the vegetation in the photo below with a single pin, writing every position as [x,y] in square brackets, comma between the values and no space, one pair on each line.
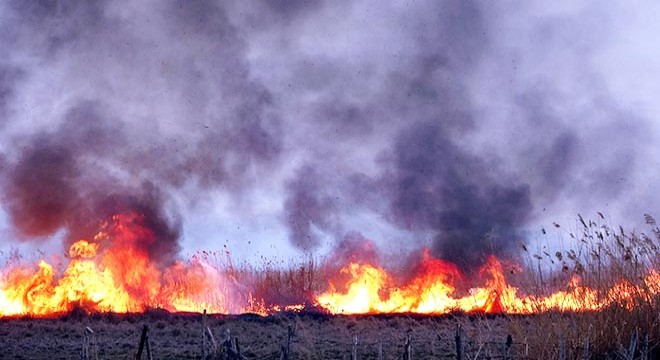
[619,266]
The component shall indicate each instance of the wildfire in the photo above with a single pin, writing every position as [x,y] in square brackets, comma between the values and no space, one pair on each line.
[114,272]
[371,290]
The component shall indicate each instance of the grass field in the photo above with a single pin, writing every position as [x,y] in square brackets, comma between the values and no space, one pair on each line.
[316,336]
[620,266]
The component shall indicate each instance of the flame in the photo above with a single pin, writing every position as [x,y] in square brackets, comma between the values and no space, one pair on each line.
[370,289]
[112,274]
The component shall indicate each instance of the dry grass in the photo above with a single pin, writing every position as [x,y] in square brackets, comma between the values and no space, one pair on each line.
[602,256]
[612,261]
[296,284]
[178,336]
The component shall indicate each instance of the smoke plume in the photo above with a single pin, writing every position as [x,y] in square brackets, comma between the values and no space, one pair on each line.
[454,125]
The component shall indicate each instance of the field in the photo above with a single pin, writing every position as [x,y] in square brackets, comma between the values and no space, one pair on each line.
[315,336]
[617,269]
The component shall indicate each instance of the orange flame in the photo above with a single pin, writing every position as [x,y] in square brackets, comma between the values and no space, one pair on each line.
[114,273]
[432,291]
[111,273]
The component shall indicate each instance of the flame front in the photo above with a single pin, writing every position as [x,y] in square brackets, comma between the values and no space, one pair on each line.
[370,289]
[112,275]
[113,272]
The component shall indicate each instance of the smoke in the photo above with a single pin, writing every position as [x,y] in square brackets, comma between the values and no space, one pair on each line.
[60,181]
[457,120]
[455,125]
[308,208]
[106,140]
[438,186]
[428,178]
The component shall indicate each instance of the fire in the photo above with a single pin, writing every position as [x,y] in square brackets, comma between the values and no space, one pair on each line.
[115,272]
[371,289]
[112,273]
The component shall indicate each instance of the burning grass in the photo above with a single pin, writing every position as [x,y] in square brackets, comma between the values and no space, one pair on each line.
[621,269]
[599,292]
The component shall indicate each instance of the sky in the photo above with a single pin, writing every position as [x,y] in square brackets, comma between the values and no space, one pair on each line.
[286,128]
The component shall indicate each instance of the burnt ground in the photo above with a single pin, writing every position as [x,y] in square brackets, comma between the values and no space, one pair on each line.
[316,336]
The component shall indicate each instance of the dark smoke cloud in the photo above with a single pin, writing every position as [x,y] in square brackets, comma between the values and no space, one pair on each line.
[452,123]
[430,178]
[421,120]
[353,247]
[162,242]
[47,184]
[41,190]
[309,209]
[60,182]
[100,156]
[438,186]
